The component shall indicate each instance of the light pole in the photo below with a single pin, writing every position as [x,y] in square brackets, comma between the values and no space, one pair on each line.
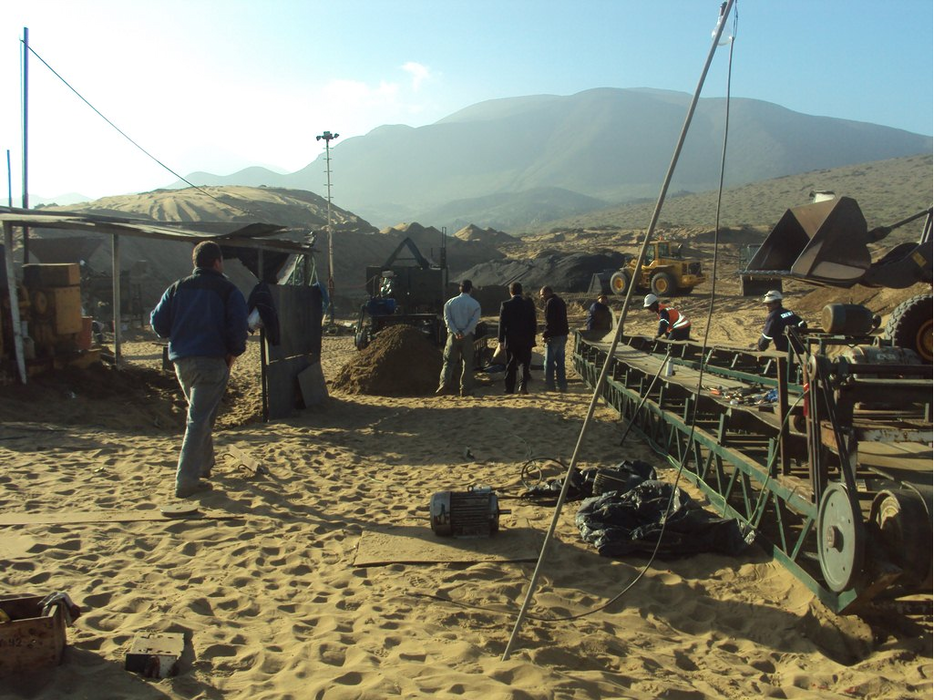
[328,137]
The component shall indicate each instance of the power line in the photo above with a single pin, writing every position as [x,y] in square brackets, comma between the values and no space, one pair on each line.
[127,137]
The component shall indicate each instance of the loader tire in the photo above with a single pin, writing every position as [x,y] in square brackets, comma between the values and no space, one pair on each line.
[910,325]
[663,284]
[619,282]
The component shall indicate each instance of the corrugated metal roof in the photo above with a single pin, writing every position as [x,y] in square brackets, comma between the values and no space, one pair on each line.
[241,234]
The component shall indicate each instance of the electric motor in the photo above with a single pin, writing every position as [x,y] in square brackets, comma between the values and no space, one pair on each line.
[472,513]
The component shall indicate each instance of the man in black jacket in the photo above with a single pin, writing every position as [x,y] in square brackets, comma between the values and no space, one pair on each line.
[776,322]
[517,336]
[555,335]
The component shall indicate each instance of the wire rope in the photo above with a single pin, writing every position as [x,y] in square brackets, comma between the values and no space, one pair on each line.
[131,140]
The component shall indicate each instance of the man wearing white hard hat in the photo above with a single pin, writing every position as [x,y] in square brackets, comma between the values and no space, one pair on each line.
[778,319]
[672,324]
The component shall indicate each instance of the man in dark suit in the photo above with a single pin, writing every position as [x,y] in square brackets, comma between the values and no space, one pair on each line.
[517,325]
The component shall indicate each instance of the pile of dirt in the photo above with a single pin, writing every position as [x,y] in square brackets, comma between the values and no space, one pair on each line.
[131,397]
[565,272]
[401,361]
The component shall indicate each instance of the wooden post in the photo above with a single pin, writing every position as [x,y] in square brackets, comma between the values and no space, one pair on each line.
[116,297]
[264,387]
[14,301]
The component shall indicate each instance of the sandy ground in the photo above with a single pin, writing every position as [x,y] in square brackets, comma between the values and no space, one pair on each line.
[273,605]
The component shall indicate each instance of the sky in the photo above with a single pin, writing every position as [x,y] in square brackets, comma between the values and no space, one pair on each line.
[220,85]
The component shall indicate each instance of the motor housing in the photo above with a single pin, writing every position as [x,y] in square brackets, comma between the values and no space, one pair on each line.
[471,513]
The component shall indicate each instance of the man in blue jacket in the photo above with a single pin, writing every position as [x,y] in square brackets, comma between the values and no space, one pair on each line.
[204,316]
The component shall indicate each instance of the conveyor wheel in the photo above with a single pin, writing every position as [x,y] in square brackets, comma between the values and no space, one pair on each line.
[840,538]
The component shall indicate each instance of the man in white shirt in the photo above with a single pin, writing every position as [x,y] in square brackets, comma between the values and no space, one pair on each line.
[461,315]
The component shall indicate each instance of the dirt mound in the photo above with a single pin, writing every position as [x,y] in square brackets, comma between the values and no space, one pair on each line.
[401,361]
[487,235]
[128,398]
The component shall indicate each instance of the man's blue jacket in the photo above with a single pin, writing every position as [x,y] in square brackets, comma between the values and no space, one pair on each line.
[202,315]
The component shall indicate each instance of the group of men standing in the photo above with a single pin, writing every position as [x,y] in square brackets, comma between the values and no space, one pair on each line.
[518,326]
[204,317]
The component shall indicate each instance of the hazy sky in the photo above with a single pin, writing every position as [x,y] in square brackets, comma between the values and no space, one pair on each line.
[219,85]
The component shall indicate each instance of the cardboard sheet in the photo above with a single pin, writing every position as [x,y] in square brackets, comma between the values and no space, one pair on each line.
[417,544]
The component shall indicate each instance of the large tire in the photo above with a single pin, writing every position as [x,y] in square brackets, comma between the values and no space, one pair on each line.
[910,325]
[662,284]
[619,282]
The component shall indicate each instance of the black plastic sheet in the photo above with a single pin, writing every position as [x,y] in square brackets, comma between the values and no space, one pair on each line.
[620,523]
[627,473]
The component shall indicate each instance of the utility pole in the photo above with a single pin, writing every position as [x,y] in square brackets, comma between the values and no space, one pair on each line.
[328,137]
[25,141]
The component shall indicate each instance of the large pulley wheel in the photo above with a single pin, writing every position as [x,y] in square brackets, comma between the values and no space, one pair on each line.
[840,539]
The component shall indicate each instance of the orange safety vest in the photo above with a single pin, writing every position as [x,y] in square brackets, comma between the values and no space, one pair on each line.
[675,318]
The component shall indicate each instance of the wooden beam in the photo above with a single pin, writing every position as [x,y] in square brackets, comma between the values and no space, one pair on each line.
[14,301]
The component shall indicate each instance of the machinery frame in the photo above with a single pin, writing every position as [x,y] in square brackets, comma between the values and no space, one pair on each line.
[804,492]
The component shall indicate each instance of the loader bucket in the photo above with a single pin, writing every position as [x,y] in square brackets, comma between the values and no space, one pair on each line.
[824,243]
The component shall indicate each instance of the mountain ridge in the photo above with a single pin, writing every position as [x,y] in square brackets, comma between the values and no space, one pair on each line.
[612,145]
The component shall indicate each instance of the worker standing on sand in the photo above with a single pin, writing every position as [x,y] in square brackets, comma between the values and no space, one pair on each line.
[461,315]
[555,336]
[777,321]
[599,316]
[204,316]
[672,324]
[517,326]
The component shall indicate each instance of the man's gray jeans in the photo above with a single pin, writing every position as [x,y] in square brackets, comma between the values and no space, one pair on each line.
[204,380]
[457,353]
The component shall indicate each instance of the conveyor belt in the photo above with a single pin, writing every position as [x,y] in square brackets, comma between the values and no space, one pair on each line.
[755,466]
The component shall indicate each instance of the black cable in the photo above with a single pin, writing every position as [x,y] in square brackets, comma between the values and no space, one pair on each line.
[127,137]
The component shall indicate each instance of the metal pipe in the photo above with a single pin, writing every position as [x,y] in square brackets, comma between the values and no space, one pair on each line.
[725,12]
[25,141]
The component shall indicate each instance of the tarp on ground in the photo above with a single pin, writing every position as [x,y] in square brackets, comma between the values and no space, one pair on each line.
[622,523]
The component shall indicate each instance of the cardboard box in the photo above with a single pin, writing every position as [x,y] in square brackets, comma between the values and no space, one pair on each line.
[155,655]
[51,274]
[31,641]
[67,304]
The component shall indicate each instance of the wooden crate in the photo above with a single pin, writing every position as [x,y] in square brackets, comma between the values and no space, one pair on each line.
[31,641]
[51,274]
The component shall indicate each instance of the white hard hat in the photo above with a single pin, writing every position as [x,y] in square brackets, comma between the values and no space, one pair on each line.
[770,296]
[649,300]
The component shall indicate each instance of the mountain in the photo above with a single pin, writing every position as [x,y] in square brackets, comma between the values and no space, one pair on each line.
[888,191]
[504,162]
[515,210]
[356,244]
[62,199]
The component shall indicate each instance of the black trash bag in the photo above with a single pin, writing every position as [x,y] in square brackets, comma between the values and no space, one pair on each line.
[628,473]
[618,524]
[579,488]
[624,476]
